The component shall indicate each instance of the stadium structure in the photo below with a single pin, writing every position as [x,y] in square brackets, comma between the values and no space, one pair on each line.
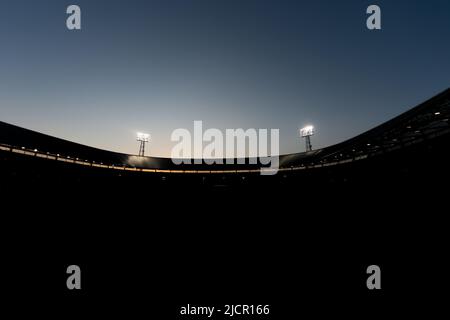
[413,143]
[314,226]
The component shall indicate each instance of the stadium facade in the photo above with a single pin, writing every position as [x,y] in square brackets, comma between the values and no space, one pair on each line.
[314,226]
[409,143]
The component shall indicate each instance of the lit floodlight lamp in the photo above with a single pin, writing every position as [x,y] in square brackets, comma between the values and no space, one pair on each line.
[143,138]
[307,132]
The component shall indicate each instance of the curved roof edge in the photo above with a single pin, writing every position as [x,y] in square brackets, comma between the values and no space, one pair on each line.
[429,117]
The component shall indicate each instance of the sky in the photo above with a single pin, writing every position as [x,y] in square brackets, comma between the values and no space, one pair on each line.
[155,66]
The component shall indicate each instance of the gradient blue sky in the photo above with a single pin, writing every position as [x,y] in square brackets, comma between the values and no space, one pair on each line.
[155,66]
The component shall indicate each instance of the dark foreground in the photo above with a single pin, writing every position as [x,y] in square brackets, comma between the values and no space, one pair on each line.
[299,243]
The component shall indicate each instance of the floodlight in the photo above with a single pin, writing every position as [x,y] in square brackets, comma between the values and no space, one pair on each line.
[307,131]
[143,138]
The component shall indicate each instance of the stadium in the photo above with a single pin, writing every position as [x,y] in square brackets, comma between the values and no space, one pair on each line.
[200,230]
[413,145]
[150,235]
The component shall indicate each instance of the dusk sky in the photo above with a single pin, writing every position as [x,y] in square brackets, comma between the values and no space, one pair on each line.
[155,66]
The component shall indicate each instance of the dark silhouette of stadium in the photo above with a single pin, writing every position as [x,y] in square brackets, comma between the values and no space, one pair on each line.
[317,224]
[413,144]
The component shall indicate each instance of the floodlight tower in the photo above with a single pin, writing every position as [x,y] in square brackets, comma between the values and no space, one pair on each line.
[306,133]
[143,139]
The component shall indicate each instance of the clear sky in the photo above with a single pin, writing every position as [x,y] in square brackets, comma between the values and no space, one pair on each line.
[155,66]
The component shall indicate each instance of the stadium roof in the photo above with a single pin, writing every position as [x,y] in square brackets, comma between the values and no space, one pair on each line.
[425,121]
